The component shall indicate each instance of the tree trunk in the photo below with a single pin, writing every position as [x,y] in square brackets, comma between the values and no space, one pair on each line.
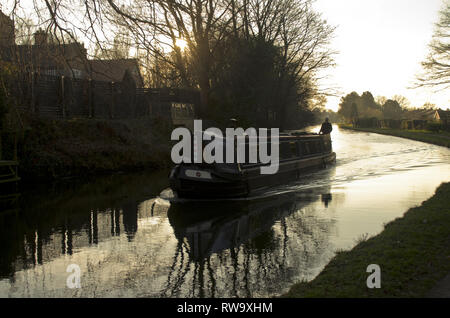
[203,65]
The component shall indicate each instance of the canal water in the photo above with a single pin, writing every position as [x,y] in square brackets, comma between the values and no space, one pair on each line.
[129,240]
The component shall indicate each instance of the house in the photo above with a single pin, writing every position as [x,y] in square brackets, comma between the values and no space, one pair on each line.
[45,56]
[419,114]
[442,116]
[7,33]
[118,70]
[115,90]
[417,118]
[48,56]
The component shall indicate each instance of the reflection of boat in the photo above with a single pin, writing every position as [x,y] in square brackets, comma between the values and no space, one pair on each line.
[298,153]
[231,224]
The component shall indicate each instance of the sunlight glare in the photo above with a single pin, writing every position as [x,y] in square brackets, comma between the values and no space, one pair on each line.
[181,44]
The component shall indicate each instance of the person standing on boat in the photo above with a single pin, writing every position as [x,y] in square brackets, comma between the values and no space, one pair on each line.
[326,127]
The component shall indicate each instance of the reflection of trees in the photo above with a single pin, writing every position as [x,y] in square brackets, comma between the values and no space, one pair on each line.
[73,215]
[284,239]
[253,249]
[129,218]
[93,228]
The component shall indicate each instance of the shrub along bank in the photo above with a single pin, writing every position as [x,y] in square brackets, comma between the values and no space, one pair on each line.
[441,139]
[57,149]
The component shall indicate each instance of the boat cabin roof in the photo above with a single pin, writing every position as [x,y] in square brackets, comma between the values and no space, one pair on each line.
[282,137]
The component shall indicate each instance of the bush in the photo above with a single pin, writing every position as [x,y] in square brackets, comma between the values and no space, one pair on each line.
[371,122]
[434,127]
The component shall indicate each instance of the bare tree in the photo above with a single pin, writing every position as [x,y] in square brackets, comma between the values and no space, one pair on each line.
[437,64]
[155,26]
[302,36]
[380,100]
[402,101]
[159,24]
[429,105]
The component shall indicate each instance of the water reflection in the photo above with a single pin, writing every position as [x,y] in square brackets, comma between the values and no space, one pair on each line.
[236,249]
[208,228]
[69,214]
[243,249]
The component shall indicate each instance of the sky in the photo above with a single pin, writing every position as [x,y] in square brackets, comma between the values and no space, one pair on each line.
[381,44]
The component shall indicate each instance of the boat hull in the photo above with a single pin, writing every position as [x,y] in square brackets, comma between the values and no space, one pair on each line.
[243,183]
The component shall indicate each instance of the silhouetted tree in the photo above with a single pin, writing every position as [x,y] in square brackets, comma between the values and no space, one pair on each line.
[292,28]
[437,64]
[368,107]
[380,100]
[354,113]
[319,101]
[368,101]
[246,81]
[429,105]
[392,109]
[402,101]
[346,108]
[365,105]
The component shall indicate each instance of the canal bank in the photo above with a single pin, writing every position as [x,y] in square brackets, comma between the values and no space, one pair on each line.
[51,149]
[413,253]
[440,139]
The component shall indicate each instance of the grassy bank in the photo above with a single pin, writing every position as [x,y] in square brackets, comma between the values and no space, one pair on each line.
[413,253]
[440,139]
[56,149]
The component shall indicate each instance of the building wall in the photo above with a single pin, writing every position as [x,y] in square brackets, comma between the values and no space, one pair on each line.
[7,36]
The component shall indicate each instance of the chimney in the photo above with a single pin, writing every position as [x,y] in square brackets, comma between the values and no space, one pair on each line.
[40,37]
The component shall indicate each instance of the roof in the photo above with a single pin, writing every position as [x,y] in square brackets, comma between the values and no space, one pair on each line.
[50,55]
[7,35]
[115,70]
[68,59]
[419,114]
[442,114]
[62,56]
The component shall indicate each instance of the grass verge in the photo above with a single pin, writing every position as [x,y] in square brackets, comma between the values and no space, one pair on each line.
[413,253]
[440,139]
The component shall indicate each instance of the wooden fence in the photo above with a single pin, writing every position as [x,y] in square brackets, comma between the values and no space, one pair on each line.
[62,97]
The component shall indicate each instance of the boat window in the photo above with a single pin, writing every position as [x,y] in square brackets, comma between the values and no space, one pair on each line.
[317,146]
[285,150]
[288,149]
[294,149]
[312,147]
[305,148]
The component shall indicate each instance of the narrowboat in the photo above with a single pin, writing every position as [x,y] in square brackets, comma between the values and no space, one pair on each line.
[298,153]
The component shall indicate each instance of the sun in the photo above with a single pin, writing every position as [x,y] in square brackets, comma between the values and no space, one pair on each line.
[181,44]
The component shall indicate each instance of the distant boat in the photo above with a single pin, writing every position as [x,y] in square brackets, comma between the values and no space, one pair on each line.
[299,153]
